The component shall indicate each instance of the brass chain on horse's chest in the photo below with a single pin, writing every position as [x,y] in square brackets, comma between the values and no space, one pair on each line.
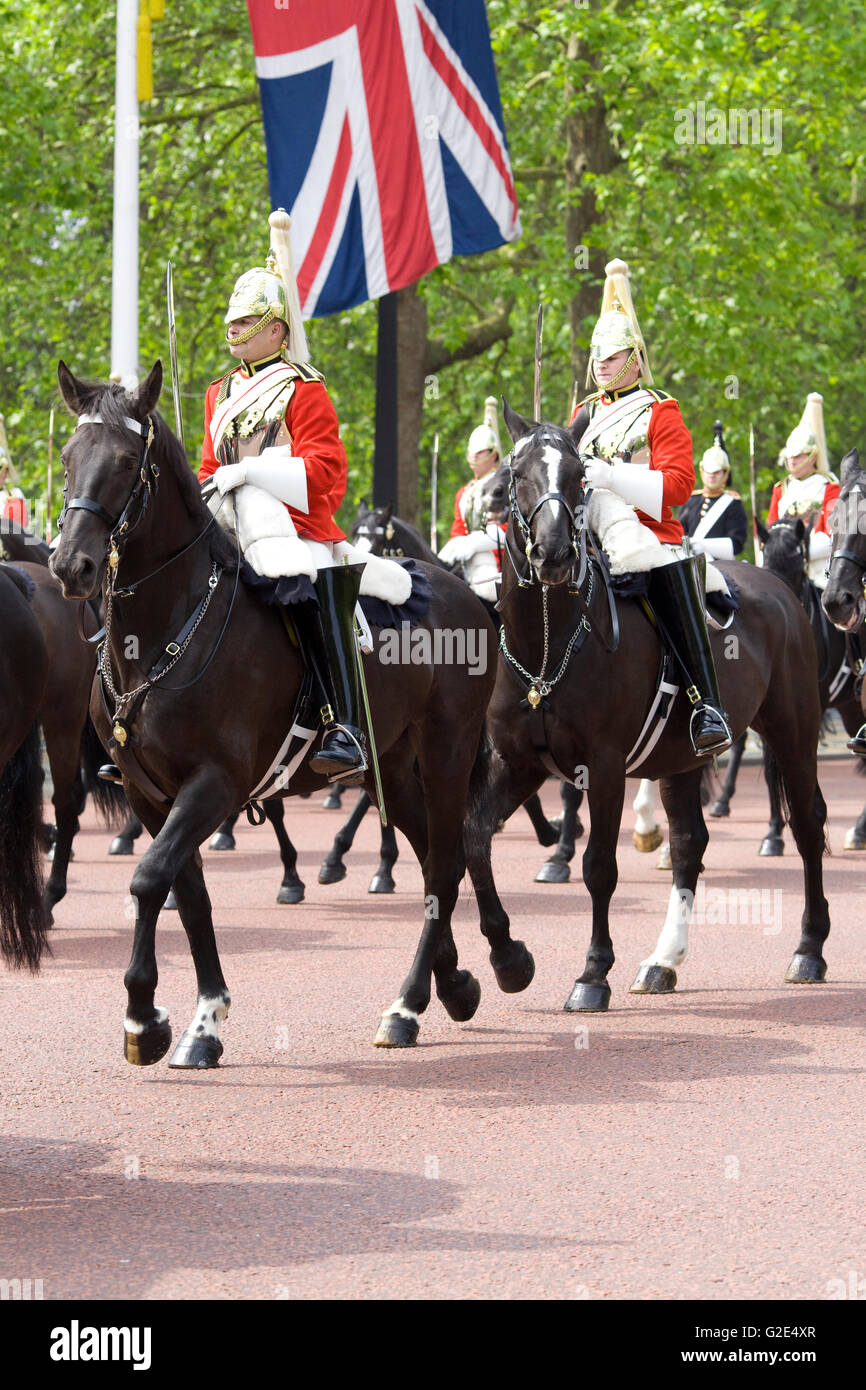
[538,686]
[120,699]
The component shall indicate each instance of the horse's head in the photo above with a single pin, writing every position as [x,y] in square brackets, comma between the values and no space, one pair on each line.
[108,474]
[545,491]
[844,595]
[786,551]
[372,528]
[493,495]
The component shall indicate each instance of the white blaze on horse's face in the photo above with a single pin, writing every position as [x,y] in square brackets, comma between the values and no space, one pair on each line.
[553,458]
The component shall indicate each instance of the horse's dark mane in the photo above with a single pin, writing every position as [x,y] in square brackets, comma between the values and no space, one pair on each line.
[113,403]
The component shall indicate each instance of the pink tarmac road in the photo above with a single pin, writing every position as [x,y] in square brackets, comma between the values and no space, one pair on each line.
[707,1144]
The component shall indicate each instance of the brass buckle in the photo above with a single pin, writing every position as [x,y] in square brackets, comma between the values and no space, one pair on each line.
[694,695]
[172,649]
[326,714]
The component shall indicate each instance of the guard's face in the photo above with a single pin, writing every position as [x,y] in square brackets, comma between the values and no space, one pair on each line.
[714,481]
[608,368]
[263,344]
[483,461]
[801,465]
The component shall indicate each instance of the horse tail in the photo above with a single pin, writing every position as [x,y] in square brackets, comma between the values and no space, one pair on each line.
[109,799]
[23,918]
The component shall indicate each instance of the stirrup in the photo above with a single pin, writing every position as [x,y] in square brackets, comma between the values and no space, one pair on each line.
[857,744]
[722,743]
[349,776]
[110,772]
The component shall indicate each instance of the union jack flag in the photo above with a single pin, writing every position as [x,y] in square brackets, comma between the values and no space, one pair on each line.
[384,139]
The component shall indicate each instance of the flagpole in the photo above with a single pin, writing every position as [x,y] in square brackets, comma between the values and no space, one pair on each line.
[385,478]
[124,264]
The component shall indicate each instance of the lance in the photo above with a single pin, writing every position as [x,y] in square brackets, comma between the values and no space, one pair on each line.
[539,326]
[754,490]
[172,353]
[434,497]
[48,535]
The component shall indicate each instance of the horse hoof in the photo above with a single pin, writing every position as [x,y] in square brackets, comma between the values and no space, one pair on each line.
[463,998]
[854,840]
[806,970]
[170,904]
[121,844]
[588,999]
[143,1049]
[196,1052]
[381,883]
[332,873]
[514,967]
[664,859]
[221,841]
[396,1031]
[553,871]
[647,842]
[290,893]
[772,846]
[720,809]
[333,801]
[654,979]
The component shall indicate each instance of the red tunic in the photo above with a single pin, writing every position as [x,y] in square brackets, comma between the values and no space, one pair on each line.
[670,446]
[312,423]
[831,492]
[16,509]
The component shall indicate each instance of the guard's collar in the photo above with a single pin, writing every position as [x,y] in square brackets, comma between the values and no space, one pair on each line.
[250,368]
[609,398]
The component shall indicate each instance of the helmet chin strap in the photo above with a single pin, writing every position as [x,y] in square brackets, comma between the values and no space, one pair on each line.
[626,367]
[269,317]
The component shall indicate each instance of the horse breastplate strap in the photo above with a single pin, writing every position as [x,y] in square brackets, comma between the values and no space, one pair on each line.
[624,435]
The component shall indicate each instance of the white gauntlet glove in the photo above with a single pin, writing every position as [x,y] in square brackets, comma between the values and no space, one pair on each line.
[717,547]
[281,474]
[641,487]
[229,476]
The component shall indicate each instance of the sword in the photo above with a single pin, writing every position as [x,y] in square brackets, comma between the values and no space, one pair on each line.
[539,326]
[172,352]
[753,488]
[434,497]
[374,757]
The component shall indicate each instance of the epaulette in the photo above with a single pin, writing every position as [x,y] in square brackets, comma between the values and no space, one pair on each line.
[659,395]
[731,493]
[306,372]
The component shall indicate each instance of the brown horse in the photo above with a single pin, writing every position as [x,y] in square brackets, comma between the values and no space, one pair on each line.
[193,747]
[23,674]
[595,694]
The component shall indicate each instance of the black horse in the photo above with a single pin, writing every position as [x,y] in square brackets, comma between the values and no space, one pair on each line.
[786,553]
[377,529]
[23,676]
[844,598]
[193,748]
[569,688]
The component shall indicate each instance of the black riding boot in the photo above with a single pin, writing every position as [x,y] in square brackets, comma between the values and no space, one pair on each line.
[329,645]
[110,772]
[676,596]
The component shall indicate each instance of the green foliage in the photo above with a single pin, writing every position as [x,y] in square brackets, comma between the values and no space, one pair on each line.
[747,263]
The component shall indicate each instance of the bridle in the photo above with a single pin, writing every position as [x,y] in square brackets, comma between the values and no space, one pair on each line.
[120,527]
[582,541]
[577,529]
[845,554]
